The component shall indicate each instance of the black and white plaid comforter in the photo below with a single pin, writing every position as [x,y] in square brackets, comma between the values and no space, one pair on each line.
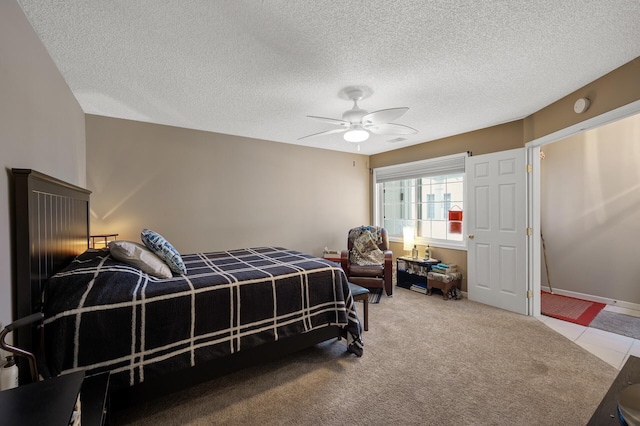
[101,314]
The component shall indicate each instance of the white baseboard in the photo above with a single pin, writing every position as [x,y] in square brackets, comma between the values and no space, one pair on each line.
[592,298]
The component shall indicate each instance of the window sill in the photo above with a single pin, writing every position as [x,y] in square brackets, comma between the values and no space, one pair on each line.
[461,245]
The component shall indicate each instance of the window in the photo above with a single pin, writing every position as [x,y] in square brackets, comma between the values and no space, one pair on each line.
[426,195]
[431,198]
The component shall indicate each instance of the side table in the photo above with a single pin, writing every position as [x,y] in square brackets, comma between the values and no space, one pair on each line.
[46,402]
[332,257]
[94,399]
[410,271]
[607,411]
[51,401]
[103,239]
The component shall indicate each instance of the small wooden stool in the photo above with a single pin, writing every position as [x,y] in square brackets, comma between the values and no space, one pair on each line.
[444,282]
[361,293]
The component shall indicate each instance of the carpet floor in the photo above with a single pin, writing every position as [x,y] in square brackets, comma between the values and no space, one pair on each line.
[427,361]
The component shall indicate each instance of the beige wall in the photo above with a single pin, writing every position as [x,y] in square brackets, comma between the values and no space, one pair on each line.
[590,215]
[206,191]
[244,192]
[613,90]
[41,126]
[483,141]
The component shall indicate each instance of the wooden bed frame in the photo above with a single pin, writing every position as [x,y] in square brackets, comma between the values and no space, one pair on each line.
[51,228]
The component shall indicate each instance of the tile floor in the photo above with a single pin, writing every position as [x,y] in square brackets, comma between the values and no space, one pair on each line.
[610,347]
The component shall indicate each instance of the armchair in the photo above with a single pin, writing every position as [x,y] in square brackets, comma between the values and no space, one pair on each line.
[374,271]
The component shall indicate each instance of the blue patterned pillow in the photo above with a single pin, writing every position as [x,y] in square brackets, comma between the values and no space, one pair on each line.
[165,251]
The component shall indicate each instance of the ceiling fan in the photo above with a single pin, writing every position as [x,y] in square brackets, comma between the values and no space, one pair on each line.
[356,123]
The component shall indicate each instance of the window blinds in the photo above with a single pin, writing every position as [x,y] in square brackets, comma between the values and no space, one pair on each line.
[449,164]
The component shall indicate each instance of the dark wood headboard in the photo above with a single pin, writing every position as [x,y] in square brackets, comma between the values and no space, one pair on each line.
[51,228]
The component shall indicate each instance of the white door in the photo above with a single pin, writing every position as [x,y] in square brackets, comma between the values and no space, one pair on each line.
[497,230]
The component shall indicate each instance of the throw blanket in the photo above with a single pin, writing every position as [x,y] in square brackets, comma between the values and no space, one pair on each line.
[102,314]
[365,249]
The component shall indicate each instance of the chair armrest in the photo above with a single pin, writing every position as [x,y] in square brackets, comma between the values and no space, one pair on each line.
[38,316]
[388,261]
[22,322]
[388,272]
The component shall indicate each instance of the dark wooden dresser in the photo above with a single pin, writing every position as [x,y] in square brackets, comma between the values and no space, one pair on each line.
[51,402]
[607,411]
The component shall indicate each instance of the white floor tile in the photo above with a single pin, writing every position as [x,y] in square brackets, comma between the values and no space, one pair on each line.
[635,348]
[607,340]
[610,347]
[567,329]
[613,358]
[542,318]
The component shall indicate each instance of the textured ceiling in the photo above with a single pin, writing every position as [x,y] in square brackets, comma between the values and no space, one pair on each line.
[258,68]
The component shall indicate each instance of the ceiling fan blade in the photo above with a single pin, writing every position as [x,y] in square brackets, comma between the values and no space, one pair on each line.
[391,129]
[331,120]
[326,132]
[384,115]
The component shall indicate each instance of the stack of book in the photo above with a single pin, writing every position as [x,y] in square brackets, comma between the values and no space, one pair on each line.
[419,287]
[443,268]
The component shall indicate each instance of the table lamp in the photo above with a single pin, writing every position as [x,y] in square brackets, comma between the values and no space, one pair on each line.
[408,236]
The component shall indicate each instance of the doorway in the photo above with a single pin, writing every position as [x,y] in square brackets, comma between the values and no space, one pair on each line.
[586,244]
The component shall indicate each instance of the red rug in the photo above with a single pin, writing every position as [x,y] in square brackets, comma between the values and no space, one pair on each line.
[569,308]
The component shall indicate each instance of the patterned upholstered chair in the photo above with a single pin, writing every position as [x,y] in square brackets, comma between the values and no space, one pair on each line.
[368,268]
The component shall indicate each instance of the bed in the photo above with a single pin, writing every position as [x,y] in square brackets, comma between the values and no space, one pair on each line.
[230,310]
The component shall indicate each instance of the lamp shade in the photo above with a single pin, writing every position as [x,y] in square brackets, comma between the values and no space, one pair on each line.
[408,237]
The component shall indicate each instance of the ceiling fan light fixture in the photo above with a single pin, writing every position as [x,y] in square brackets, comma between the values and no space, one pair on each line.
[357,124]
[356,135]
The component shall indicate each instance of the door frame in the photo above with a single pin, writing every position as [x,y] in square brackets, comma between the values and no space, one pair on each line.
[533,189]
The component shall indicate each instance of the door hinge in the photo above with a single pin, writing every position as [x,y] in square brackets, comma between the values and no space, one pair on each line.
[529,294]
[529,168]
[529,232]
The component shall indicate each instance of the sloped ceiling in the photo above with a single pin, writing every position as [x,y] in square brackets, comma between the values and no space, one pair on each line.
[258,68]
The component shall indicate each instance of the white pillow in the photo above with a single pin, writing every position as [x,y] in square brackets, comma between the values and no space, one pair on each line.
[141,257]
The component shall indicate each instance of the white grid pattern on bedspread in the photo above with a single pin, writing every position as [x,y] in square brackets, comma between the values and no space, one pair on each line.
[227,301]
